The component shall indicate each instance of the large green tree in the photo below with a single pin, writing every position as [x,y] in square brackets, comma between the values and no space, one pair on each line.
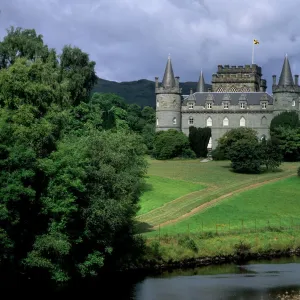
[233,136]
[285,132]
[68,189]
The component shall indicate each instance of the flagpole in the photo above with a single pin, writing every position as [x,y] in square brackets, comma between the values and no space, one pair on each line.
[252,51]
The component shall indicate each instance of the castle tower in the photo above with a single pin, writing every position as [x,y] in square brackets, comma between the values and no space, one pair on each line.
[237,79]
[286,92]
[201,84]
[168,100]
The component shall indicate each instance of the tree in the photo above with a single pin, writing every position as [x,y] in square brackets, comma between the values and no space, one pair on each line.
[285,132]
[79,71]
[246,156]
[287,119]
[199,139]
[233,136]
[22,43]
[90,203]
[68,189]
[169,144]
[271,157]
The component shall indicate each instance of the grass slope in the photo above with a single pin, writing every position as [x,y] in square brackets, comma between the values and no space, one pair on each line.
[275,204]
[160,190]
[216,176]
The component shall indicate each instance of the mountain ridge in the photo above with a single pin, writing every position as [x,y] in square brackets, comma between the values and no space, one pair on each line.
[141,92]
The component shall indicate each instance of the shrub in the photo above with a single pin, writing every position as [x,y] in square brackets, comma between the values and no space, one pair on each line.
[218,154]
[188,243]
[188,153]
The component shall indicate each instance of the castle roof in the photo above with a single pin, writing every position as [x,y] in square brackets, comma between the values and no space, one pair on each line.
[169,79]
[286,77]
[201,84]
[253,98]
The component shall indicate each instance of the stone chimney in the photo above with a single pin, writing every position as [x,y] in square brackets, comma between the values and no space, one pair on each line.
[156,82]
[296,79]
[274,79]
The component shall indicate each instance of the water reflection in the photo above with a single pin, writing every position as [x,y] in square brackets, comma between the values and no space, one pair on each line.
[263,280]
[253,281]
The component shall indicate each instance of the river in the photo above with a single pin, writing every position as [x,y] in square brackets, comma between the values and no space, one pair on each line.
[256,280]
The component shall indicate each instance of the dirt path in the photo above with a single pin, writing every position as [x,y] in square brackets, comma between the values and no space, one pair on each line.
[214,201]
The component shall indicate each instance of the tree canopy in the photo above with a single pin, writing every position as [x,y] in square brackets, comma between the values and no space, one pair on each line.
[71,165]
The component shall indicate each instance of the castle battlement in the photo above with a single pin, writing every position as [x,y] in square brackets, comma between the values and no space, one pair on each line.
[226,69]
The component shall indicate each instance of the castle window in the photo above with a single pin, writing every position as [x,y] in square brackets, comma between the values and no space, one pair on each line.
[264,105]
[191,120]
[174,121]
[157,103]
[264,121]
[225,122]
[294,103]
[242,122]
[209,105]
[156,121]
[225,105]
[242,105]
[191,105]
[209,122]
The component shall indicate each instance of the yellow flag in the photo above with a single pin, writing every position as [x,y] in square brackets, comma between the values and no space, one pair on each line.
[255,42]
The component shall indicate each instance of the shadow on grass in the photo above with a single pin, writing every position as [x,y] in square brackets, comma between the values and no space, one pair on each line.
[143,227]
[263,170]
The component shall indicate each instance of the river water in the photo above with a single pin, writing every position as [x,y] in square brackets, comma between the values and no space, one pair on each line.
[256,280]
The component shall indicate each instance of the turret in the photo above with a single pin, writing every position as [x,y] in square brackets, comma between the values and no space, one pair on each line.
[201,84]
[168,100]
[286,92]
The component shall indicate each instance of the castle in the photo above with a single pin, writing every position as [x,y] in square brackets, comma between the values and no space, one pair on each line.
[237,97]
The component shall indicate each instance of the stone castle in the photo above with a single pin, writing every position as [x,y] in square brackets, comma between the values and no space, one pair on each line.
[237,97]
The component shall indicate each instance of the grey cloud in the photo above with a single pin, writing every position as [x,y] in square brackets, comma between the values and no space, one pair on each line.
[131,39]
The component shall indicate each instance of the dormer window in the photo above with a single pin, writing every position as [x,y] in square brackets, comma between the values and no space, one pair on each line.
[209,105]
[242,105]
[191,105]
[264,105]
[225,105]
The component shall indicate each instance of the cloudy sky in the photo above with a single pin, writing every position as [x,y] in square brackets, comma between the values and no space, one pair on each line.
[131,39]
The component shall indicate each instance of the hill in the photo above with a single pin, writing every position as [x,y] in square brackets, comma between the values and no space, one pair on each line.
[140,92]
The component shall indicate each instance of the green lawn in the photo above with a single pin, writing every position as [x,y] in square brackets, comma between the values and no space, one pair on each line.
[216,176]
[275,204]
[160,190]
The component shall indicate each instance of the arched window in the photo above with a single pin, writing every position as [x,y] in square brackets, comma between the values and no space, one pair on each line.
[225,122]
[209,122]
[191,120]
[242,122]
[156,121]
[174,121]
[264,120]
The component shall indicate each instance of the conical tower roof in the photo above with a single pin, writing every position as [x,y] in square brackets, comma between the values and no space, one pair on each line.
[286,77]
[201,84]
[169,79]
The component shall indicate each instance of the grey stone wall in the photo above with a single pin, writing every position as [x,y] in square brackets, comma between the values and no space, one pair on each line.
[259,121]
